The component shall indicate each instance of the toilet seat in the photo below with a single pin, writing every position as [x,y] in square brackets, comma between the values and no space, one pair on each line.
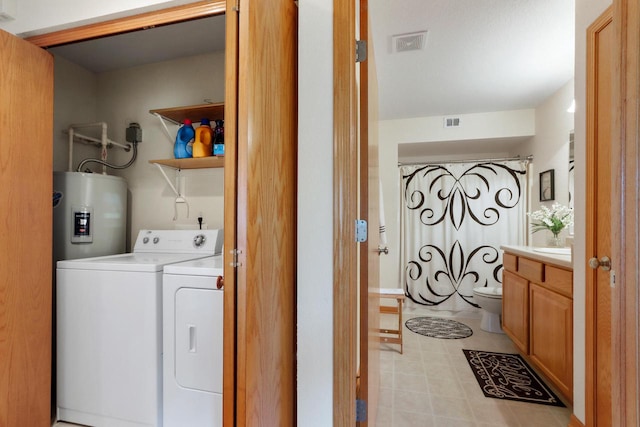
[489,292]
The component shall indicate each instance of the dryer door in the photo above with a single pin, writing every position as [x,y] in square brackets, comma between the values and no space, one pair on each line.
[198,344]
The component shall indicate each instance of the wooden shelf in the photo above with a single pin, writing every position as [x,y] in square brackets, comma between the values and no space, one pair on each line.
[193,112]
[192,163]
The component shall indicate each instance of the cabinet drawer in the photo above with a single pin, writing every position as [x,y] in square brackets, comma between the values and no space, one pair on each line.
[510,262]
[531,270]
[559,280]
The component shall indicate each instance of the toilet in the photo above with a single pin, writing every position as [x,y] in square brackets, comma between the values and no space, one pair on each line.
[489,298]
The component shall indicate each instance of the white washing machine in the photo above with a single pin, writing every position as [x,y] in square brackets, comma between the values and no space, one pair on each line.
[192,333]
[109,329]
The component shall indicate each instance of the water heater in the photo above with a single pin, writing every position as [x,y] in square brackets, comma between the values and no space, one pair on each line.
[89,215]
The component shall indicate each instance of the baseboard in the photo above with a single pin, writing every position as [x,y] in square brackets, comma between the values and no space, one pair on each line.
[575,422]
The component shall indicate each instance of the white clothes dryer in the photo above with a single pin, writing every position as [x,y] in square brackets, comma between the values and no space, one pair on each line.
[109,329]
[192,339]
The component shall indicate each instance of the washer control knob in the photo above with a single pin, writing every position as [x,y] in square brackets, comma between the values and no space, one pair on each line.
[145,240]
[156,240]
[199,240]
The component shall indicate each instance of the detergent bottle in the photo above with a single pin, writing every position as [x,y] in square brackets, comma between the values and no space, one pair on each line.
[218,138]
[202,146]
[184,140]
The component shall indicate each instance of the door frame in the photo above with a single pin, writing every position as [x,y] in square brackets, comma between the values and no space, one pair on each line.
[142,21]
[625,205]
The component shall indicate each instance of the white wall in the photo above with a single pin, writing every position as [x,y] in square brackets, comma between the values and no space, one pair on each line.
[489,125]
[34,17]
[75,101]
[126,96]
[586,12]
[315,214]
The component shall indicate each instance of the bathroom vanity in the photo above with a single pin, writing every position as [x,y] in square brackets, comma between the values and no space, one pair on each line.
[537,311]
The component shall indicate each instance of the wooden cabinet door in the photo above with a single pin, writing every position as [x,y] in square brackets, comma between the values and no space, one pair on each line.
[26,176]
[515,309]
[551,339]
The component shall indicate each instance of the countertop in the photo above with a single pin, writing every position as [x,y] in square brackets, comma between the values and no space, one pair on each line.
[563,261]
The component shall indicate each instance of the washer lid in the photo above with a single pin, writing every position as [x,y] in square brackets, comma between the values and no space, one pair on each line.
[150,262]
[210,266]
[489,291]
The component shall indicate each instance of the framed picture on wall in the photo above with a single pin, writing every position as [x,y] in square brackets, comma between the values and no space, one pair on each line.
[546,186]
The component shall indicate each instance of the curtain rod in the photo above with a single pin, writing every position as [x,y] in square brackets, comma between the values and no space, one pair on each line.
[499,159]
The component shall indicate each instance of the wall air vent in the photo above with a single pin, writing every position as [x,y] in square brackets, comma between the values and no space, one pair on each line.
[452,122]
[409,42]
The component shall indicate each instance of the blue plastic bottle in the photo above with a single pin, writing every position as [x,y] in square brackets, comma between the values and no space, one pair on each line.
[184,140]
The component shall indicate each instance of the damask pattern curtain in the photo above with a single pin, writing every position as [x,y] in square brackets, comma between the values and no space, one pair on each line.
[454,218]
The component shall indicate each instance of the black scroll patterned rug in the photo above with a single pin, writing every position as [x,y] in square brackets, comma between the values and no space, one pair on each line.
[438,327]
[508,376]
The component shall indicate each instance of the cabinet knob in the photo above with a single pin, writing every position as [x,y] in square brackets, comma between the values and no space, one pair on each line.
[604,263]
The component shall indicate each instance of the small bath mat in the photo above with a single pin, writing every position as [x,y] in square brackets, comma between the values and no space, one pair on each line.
[438,327]
[508,376]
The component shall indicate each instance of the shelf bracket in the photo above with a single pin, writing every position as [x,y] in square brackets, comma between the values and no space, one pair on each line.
[171,139]
[164,174]
[179,196]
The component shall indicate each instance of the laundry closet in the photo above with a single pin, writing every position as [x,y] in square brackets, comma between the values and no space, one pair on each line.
[258,79]
[119,80]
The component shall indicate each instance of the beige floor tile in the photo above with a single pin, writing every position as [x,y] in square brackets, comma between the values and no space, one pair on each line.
[412,419]
[385,398]
[384,418]
[451,422]
[451,407]
[408,401]
[410,382]
[408,366]
[445,386]
[455,397]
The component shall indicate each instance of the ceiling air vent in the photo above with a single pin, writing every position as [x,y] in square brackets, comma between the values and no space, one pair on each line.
[452,122]
[409,42]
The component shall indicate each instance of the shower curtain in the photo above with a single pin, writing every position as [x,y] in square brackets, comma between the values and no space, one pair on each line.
[454,217]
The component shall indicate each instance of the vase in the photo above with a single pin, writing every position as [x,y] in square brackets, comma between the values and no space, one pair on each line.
[555,241]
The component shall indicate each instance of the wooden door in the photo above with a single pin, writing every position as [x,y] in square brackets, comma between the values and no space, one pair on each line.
[266,213]
[598,227]
[369,280]
[515,309]
[26,177]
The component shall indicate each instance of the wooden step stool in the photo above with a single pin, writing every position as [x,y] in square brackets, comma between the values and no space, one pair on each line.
[393,336]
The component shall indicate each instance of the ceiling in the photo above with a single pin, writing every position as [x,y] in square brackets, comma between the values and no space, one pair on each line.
[479,56]
[147,46]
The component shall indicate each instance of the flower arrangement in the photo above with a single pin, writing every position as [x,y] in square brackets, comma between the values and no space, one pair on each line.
[554,219]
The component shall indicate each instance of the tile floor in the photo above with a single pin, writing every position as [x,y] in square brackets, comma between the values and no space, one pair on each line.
[431,384]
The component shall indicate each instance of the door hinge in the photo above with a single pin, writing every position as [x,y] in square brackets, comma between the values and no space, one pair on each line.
[234,253]
[236,8]
[361,410]
[361,230]
[361,50]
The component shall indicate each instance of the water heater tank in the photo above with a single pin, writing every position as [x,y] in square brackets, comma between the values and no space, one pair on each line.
[89,215]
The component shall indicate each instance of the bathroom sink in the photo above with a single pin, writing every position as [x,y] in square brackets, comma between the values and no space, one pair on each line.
[555,251]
